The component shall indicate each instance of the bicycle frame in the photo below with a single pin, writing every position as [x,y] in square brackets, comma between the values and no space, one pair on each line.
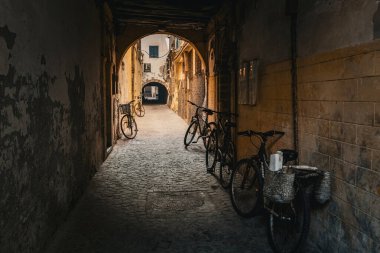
[201,123]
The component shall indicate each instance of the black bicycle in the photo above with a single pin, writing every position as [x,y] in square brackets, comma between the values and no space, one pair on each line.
[288,217]
[248,176]
[199,126]
[221,148]
[128,124]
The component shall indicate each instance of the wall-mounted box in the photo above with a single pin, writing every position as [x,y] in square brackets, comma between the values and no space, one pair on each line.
[253,81]
[248,82]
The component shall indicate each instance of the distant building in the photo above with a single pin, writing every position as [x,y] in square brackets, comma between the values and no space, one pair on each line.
[155,50]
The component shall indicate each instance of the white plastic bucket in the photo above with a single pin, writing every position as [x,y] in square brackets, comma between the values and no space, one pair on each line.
[276,161]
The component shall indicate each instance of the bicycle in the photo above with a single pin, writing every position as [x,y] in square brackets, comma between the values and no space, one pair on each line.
[128,124]
[288,221]
[199,124]
[138,107]
[221,148]
[285,196]
[248,177]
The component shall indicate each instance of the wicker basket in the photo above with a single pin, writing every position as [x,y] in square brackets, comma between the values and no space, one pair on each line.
[279,186]
[125,108]
[322,190]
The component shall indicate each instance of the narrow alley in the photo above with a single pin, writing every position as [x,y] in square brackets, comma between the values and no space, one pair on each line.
[153,195]
[72,71]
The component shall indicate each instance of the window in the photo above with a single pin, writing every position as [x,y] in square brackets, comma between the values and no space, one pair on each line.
[153,51]
[147,67]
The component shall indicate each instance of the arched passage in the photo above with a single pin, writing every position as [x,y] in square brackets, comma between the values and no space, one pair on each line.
[178,67]
[155,93]
[133,33]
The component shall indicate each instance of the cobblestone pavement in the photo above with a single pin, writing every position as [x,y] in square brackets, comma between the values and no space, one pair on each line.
[153,195]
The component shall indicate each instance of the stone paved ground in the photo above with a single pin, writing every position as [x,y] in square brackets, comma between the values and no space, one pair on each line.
[153,195]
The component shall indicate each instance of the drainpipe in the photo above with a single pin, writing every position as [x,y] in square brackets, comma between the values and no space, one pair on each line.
[292,8]
[133,72]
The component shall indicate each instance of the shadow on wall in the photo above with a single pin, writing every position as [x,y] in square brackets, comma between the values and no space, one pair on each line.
[376,24]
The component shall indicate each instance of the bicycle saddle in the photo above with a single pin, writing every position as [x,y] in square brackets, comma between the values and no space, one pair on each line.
[208,111]
[289,155]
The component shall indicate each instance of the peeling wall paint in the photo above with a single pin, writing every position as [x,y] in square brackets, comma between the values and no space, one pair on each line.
[51,139]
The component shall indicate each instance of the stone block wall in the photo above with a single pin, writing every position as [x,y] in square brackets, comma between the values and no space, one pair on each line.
[338,105]
[339,94]
[273,109]
[51,139]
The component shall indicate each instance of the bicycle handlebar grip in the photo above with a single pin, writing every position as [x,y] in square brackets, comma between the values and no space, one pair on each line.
[279,132]
[272,133]
[245,133]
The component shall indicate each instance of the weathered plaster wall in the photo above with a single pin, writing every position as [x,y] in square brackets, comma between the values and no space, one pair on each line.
[326,25]
[187,82]
[130,75]
[50,115]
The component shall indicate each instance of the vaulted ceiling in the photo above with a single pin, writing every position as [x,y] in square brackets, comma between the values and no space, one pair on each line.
[165,14]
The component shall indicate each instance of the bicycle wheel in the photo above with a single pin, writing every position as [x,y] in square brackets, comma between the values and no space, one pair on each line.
[190,133]
[246,188]
[226,165]
[128,126]
[207,132]
[211,151]
[139,109]
[288,225]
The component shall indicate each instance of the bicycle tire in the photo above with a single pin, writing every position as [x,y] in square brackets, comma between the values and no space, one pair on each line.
[209,128]
[128,126]
[190,133]
[246,188]
[226,166]
[289,236]
[139,110]
[211,151]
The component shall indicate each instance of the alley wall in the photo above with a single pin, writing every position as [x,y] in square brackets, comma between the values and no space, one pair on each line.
[339,95]
[338,105]
[265,35]
[187,81]
[51,139]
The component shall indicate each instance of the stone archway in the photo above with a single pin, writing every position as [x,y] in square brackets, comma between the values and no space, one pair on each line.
[154,80]
[132,33]
[155,93]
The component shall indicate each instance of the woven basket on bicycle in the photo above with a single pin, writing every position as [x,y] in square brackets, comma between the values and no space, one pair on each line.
[279,186]
[125,108]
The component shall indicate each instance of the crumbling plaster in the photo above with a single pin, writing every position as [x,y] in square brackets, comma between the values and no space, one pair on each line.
[50,110]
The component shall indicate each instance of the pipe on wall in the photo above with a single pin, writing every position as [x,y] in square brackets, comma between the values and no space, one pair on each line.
[292,10]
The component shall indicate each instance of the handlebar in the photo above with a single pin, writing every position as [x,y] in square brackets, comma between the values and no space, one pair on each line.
[263,135]
[193,103]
